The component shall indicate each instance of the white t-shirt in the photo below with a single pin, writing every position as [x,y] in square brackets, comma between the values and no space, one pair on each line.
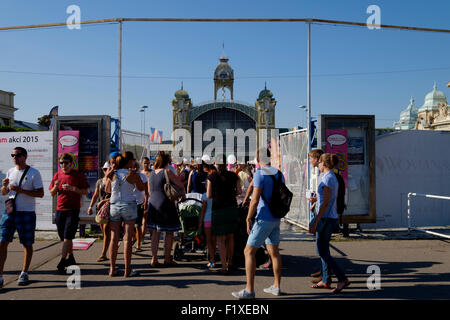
[140,195]
[31,182]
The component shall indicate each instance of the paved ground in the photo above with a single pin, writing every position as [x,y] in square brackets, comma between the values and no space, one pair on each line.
[413,266]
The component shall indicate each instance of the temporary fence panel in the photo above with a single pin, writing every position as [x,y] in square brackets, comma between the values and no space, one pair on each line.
[293,165]
[136,142]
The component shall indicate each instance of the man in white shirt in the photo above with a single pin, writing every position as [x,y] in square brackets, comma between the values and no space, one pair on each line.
[23,219]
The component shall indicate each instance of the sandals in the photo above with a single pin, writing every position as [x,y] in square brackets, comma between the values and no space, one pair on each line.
[155,265]
[116,273]
[338,290]
[321,285]
[171,263]
[101,259]
[211,264]
[138,250]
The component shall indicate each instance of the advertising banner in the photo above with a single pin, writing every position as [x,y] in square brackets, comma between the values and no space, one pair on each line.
[68,142]
[39,146]
[337,143]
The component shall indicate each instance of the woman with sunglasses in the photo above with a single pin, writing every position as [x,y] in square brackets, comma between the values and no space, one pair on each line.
[102,196]
[69,185]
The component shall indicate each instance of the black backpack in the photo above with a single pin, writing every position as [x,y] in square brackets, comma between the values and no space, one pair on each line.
[280,202]
[340,201]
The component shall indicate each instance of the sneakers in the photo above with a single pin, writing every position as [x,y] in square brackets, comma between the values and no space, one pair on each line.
[23,279]
[273,290]
[243,295]
[210,265]
[71,261]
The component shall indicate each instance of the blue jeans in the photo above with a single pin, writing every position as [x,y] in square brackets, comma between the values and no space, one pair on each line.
[323,248]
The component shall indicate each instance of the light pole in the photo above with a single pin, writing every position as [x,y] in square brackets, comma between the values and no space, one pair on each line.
[144,108]
[303,107]
[142,111]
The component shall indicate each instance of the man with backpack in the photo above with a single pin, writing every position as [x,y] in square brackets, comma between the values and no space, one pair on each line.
[266,226]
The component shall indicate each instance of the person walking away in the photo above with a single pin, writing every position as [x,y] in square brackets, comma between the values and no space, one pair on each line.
[147,170]
[205,223]
[325,222]
[223,186]
[162,213]
[24,184]
[314,157]
[142,202]
[266,227]
[122,184]
[68,185]
[102,196]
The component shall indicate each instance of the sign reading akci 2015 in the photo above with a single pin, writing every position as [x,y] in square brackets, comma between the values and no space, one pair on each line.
[39,146]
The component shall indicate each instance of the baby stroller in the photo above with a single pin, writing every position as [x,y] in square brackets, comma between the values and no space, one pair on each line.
[190,238]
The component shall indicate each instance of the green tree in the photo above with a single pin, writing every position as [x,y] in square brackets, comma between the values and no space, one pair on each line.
[44,120]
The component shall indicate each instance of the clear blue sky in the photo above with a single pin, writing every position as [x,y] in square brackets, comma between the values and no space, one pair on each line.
[164,54]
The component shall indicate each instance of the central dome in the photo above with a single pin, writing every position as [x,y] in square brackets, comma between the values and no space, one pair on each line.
[433,99]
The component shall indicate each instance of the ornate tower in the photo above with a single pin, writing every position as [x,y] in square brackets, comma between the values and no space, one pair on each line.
[181,107]
[223,76]
[265,107]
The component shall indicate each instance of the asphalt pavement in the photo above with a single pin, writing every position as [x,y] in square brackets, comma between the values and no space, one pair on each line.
[415,266]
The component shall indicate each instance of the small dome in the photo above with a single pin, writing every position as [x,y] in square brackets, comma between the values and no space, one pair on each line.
[433,99]
[265,93]
[181,94]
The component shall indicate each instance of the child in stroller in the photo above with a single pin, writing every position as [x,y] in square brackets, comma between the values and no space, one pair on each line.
[190,237]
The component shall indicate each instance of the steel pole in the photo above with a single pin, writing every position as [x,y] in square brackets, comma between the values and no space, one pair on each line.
[309,100]
[120,86]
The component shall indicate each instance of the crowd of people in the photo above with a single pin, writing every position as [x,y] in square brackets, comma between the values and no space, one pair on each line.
[138,203]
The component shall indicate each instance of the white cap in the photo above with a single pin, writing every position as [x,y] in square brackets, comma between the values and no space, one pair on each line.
[106,165]
[231,159]
[206,158]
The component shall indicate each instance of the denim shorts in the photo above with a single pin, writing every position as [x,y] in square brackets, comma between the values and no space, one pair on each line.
[22,221]
[123,211]
[267,232]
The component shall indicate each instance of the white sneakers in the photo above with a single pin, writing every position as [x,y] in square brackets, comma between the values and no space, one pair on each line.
[273,290]
[244,294]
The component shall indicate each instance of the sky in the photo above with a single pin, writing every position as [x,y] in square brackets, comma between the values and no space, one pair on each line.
[355,70]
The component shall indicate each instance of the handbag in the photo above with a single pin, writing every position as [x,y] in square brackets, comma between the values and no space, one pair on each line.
[172,192]
[10,203]
[102,216]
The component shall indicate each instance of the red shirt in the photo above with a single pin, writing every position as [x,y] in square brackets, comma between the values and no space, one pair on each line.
[69,200]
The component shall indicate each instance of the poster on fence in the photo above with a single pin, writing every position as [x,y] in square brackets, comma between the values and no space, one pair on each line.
[337,143]
[39,146]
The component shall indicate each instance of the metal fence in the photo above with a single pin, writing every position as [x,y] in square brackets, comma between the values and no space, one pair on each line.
[293,164]
[136,142]
[410,217]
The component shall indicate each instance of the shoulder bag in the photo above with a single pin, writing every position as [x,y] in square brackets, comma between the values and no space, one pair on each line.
[10,203]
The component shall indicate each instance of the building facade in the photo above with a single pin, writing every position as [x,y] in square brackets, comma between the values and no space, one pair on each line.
[241,126]
[434,114]
[7,108]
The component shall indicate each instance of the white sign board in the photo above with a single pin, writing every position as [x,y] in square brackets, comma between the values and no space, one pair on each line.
[39,145]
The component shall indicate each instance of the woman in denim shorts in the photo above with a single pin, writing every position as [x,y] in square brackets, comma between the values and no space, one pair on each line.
[123,208]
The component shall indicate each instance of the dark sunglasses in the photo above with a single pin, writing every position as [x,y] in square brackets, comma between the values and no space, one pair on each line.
[64,162]
[16,155]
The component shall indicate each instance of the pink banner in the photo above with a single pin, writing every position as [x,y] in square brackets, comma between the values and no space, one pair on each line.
[337,143]
[68,142]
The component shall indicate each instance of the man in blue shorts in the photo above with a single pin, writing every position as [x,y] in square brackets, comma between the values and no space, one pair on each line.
[23,219]
[265,229]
